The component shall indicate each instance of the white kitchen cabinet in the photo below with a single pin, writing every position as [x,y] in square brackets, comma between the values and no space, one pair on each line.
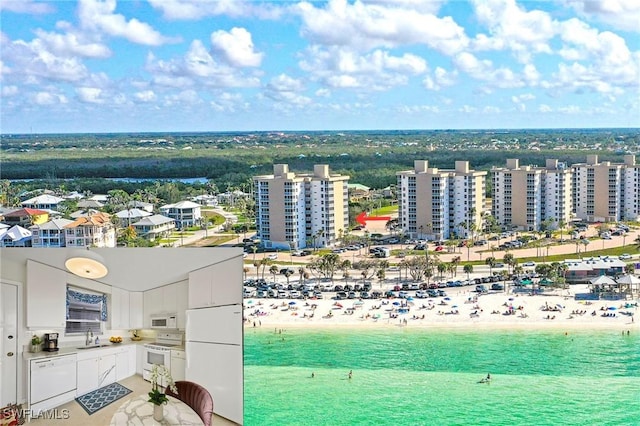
[125,362]
[46,296]
[87,375]
[122,364]
[132,360]
[106,370]
[216,285]
[182,303]
[200,287]
[119,309]
[168,299]
[136,309]
[140,354]
[169,302]
[152,304]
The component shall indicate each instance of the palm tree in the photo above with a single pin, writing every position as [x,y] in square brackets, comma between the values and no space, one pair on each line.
[508,260]
[468,269]
[273,271]
[491,261]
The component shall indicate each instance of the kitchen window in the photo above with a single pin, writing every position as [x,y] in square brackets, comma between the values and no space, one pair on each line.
[86,311]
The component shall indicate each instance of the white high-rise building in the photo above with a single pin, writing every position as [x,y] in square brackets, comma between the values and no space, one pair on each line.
[631,189]
[597,190]
[437,204]
[526,196]
[301,210]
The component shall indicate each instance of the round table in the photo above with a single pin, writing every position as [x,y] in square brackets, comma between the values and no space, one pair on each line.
[139,411]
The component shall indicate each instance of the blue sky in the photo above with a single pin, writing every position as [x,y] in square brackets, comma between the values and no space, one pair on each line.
[183,65]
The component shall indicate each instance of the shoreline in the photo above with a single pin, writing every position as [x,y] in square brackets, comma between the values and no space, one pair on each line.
[495,311]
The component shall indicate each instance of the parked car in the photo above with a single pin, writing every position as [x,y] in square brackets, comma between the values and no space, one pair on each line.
[624,256]
[530,263]
[481,288]
[439,248]
[497,286]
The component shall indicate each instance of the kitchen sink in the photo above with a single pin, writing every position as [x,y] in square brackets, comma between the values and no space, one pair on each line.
[93,346]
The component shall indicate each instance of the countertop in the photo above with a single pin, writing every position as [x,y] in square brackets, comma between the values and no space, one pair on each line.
[68,350]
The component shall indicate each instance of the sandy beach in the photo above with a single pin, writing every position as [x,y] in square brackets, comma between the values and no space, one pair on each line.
[459,309]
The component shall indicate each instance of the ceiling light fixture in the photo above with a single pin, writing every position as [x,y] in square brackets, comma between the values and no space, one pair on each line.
[86,264]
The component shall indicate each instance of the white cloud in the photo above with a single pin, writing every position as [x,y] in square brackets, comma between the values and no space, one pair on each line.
[99,16]
[196,69]
[199,9]
[483,70]
[34,60]
[91,95]
[365,26]
[71,44]
[621,14]
[145,96]
[346,68]
[236,47]
[8,91]
[523,32]
[26,7]
[286,89]
[441,78]
[48,98]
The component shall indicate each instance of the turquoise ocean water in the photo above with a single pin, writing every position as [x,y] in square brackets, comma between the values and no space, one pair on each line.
[427,377]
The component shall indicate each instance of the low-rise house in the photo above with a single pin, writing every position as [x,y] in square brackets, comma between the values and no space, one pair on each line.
[129,216]
[16,236]
[90,204]
[91,231]
[185,213]
[50,234]
[136,204]
[584,270]
[156,226]
[43,202]
[205,200]
[26,217]
[84,212]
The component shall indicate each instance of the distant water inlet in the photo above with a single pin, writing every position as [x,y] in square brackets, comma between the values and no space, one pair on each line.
[423,377]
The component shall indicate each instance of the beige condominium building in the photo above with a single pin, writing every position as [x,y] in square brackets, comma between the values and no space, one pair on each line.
[437,204]
[526,196]
[301,210]
[606,191]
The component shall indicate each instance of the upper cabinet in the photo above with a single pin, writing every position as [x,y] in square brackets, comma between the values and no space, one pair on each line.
[168,299]
[136,314]
[119,309]
[46,296]
[216,285]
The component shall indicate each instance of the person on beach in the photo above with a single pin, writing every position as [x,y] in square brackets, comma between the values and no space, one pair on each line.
[313,375]
[350,374]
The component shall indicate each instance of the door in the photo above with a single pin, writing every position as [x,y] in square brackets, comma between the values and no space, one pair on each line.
[221,324]
[219,368]
[9,344]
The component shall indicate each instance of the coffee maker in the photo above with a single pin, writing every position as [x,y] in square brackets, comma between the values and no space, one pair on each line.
[50,342]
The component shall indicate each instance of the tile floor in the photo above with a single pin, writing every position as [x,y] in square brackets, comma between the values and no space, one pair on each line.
[77,416]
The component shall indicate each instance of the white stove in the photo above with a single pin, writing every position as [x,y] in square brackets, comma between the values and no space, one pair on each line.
[160,351]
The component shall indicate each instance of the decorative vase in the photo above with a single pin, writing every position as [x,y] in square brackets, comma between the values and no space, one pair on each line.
[34,348]
[158,413]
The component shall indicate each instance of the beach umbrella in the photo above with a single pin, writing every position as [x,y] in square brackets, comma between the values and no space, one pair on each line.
[447,298]
[396,303]
[292,303]
[454,306]
[612,308]
[511,299]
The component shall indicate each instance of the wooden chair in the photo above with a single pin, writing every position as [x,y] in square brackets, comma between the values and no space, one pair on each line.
[196,397]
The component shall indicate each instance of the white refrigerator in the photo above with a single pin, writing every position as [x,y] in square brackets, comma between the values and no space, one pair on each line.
[214,357]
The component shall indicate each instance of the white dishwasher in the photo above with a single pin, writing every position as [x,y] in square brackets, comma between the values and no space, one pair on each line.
[52,381]
[177,364]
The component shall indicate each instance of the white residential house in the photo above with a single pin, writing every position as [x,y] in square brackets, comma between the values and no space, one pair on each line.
[90,204]
[185,213]
[50,234]
[43,202]
[136,204]
[156,226]
[130,216]
[16,236]
[91,231]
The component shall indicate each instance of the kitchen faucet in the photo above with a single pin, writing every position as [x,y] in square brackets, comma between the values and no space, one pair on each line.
[89,338]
